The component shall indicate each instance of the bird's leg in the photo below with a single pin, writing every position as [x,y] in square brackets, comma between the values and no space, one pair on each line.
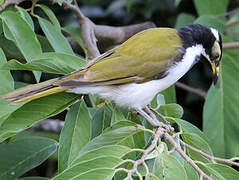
[153,121]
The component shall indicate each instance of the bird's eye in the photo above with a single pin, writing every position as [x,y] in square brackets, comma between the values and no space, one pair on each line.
[215,56]
[216,52]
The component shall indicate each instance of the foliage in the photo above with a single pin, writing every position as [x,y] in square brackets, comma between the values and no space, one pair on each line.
[100,139]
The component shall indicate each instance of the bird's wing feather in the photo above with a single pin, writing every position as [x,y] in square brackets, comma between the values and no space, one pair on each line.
[140,58]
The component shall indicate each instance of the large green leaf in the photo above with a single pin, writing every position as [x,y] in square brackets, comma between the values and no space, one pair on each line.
[169,168]
[35,111]
[25,15]
[75,134]
[220,114]
[20,156]
[211,7]
[197,142]
[55,37]
[83,167]
[23,36]
[7,84]
[34,178]
[113,150]
[50,15]
[52,62]
[113,135]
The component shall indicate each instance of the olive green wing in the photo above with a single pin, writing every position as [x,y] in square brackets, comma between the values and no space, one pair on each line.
[140,58]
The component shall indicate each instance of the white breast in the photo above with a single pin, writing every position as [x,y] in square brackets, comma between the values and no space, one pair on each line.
[139,95]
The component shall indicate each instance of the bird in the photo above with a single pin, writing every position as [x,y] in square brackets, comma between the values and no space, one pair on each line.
[132,73]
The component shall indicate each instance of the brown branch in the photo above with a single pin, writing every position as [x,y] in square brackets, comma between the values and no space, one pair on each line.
[10,2]
[91,32]
[229,13]
[212,158]
[159,132]
[230,45]
[196,91]
[185,156]
[232,23]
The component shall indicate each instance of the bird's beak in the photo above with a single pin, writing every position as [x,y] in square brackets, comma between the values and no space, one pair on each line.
[215,70]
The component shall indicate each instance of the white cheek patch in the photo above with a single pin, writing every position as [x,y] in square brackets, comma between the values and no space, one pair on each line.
[215,33]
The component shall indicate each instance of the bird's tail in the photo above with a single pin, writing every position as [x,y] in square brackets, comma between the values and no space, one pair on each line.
[33,92]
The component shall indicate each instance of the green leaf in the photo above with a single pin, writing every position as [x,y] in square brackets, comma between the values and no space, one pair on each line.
[171,110]
[169,94]
[169,168]
[99,174]
[50,15]
[55,37]
[25,15]
[211,22]
[35,111]
[56,63]
[197,142]
[75,134]
[23,36]
[7,84]
[190,128]
[220,114]
[113,135]
[191,172]
[20,156]
[101,120]
[6,80]
[225,171]
[184,19]
[83,167]
[34,178]
[211,7]
[75,33]
[113,150]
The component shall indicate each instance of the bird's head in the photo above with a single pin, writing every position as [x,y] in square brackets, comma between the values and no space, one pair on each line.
[210,39]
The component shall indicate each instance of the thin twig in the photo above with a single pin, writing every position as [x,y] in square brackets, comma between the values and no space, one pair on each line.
[229,13]
[185,156]
[158,134]
[231,45]
[198,92]
[232,23]
[10,2]
[212,158]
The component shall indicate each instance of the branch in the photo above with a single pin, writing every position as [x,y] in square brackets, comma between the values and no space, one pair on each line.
[230,45]
[185,156]
[159,132]
[91,32]
[196,91]
[10,2]
[232,23]
[212,158]
[229,13]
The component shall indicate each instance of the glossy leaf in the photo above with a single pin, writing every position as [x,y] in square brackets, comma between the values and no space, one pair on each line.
[211,7]
[220,115]
[55,37]
[85,166]
[113,135]
[34,178]
[25,15]
[7,84]
[171,110]
[20,156]
[224,170]
[28,45]
[197,142]
[113,150]
[75,134]
[35,111]
[50,15]
[57,63]
[192,174]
